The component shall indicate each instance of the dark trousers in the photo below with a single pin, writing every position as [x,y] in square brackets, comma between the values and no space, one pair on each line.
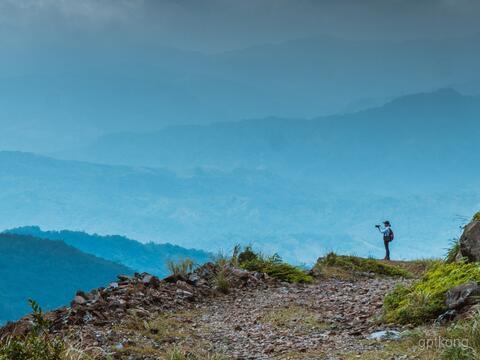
[387,249]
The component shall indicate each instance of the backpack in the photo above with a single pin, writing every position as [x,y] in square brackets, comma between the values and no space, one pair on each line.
[390,236]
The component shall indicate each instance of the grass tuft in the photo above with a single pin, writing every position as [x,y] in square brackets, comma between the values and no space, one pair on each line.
[453,251]
[181,268]
[222,283]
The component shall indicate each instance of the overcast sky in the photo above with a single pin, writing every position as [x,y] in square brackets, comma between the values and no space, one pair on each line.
[70,67]
[217,25]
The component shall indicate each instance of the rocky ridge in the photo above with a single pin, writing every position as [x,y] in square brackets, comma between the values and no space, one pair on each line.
[257,317]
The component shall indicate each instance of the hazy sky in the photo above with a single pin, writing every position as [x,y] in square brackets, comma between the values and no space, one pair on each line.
[73,69]
[215,25]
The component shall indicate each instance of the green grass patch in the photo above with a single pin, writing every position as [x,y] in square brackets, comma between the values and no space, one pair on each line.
[38,343]
[272,266]
[333,264]
[425,299]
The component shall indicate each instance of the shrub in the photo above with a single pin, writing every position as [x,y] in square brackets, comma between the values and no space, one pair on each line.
[353,264]
[272,266]
[181,268]
[425,299]
[247,255]
[36,345]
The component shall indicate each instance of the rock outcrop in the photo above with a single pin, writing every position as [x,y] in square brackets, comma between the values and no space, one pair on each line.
[142,293]
[146,318]
[462,295]
[470,242]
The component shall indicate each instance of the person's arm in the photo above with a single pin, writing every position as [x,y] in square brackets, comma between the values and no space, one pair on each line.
[383,231]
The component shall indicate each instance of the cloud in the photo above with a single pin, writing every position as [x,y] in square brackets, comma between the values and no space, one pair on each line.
[92,9]
[226,24]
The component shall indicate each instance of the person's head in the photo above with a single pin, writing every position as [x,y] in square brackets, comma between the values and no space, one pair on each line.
[386,223]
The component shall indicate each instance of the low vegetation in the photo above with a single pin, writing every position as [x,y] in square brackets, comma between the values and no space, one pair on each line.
[38,344]
[351,266]
[272,266]
[458,341]
[424,300]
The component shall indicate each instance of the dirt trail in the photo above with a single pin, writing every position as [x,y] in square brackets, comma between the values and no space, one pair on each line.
[316,321]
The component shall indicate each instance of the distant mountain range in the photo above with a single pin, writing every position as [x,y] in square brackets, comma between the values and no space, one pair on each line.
[50,272]
[70,102]
[213,210]
[401,145]
[295,186]
[150,257]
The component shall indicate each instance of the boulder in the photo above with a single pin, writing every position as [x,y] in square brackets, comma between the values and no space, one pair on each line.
[150,280]
[78,300]
[446,317]
[470,242]
[462,295]
[385,335]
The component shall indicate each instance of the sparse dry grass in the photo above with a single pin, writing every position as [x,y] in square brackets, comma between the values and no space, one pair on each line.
[159,327]
[222,283]
[165,336]
[294,316]
[181,268]
[173,352]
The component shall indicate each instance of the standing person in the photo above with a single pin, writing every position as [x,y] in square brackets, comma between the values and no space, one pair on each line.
[387,237]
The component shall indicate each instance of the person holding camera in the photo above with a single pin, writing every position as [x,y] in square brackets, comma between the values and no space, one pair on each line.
[388,236]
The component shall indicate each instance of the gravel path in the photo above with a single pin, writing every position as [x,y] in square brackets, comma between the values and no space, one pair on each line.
[317,321]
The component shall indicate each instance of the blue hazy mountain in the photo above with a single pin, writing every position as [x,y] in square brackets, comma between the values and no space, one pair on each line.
[143,87]
[401,145]
[49,272]
[300,218]
[150,257]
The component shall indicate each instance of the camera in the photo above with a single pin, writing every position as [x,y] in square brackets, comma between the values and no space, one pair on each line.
[377,226]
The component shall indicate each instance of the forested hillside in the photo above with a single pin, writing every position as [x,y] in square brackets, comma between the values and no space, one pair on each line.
[49,272]
[150,257]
